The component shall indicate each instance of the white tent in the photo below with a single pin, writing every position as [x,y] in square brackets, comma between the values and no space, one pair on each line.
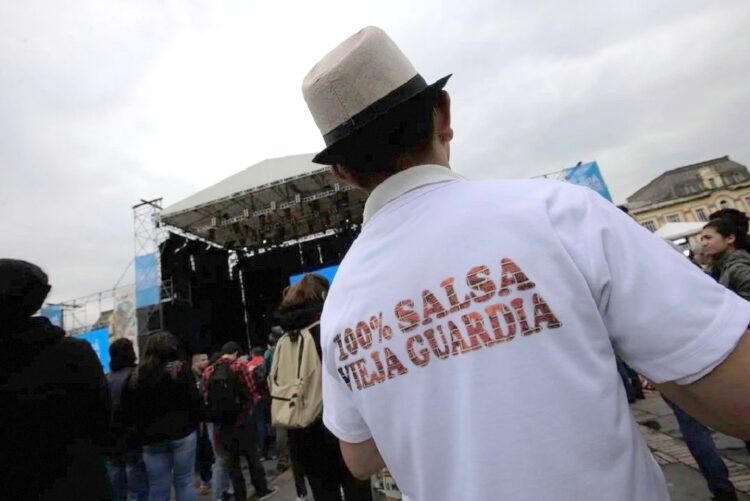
[273,201]
[673,231]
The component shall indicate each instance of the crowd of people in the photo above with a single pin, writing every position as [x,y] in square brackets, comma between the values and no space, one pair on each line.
[160,425]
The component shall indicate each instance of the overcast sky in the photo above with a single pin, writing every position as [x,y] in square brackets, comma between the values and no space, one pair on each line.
[103,103]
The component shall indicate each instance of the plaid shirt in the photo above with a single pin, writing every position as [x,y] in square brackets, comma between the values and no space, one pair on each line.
[243,373]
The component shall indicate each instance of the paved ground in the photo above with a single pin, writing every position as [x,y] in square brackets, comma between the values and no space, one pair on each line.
[662,434]
[685,482]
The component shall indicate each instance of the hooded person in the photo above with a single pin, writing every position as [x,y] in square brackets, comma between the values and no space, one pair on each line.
[51,449]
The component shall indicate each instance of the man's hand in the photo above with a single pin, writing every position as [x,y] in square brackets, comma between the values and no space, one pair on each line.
[362,459]
[721,399]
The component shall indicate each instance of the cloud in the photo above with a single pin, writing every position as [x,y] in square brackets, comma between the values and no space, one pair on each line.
[104,103]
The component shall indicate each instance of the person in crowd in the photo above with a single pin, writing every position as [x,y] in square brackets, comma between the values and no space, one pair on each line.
[162,402]
[235,438]
[220,466]
[471,319]
[631,381]
[273,337]
[204,454]
[702,447]
[51,449]
[127,471]
[281,435]
[725,240]
[700,443]
[261,409]
[314,447]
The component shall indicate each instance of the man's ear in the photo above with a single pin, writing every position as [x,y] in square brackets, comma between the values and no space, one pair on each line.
[443,128]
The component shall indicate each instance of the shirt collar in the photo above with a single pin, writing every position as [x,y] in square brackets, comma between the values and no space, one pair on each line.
[403,182]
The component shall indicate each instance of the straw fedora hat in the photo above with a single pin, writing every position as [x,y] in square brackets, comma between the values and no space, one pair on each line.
[363,78]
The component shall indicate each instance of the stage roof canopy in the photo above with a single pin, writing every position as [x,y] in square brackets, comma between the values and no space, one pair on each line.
[269,203]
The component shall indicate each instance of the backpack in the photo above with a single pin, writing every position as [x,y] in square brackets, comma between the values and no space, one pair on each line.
[296,382]
[224,401]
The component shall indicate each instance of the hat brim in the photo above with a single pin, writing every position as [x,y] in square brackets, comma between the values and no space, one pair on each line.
[330,155]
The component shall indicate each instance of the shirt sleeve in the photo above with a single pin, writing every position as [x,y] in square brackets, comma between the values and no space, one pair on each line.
[665,317]
[340,414]
[248,381]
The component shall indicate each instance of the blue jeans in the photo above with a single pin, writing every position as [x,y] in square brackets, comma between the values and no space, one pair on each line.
[129,481]
[260,418]
[171,462]
[702,447]
[220,470]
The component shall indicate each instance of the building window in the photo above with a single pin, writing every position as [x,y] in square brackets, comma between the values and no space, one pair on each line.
[650,225]
[673,218]
[692,188]
[725,204]
[712,182]
[701,214]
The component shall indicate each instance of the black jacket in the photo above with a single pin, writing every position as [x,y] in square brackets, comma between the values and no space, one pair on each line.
[55,408]
[163,408]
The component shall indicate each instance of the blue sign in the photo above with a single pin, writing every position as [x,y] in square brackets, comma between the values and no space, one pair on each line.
[99,340]
[590,176]
[53,313]
[146,280]
[329,273]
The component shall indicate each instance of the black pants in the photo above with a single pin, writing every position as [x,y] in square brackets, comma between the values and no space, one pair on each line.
[299,479]
[240,441]
[328,489]
[204,456]
[317,451]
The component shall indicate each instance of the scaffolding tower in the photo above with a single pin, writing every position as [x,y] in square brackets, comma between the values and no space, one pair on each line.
[149,235]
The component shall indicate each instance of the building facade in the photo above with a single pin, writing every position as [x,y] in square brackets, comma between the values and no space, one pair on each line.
[691,193]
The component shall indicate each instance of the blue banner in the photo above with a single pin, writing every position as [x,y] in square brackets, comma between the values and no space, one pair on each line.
[53,313]
[99,340]
[590,176]
[146,280]
[329,273]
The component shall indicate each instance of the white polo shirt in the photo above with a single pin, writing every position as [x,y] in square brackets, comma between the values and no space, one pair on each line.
[472,328]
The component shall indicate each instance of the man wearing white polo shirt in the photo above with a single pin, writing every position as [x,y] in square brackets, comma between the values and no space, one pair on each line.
[469,339]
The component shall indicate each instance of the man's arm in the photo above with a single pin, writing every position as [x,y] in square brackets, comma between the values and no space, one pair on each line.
[362,459]
[721,399]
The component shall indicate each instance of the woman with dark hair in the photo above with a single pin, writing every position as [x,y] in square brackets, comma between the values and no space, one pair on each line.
[162,401]
[314,447]
[125,466]
[725,239]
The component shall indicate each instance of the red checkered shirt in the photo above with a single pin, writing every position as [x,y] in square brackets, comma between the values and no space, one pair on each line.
[243,373]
